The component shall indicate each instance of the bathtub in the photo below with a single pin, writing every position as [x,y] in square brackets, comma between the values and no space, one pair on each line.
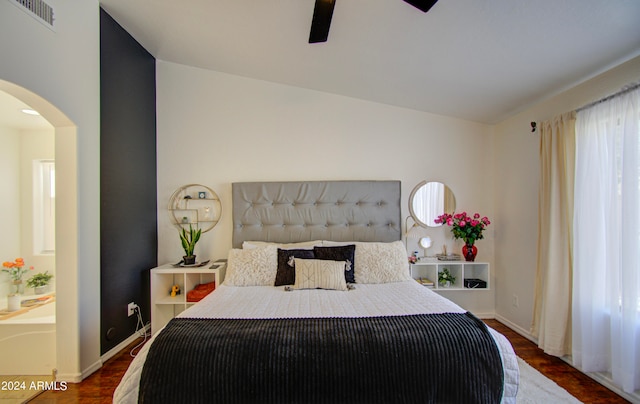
[28,342]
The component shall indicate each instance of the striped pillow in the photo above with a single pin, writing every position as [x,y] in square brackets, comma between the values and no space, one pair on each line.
[320,274]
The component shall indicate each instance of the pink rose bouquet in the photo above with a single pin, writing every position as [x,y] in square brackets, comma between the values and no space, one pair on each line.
[465,227]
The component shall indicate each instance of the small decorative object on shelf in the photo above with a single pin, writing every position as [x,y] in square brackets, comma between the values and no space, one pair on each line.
[445,278]
[175,290]
[473,283]
[425,243]
[425,282]
[195,205]
[39,282]
[467,228]
[189,240]
[449,257]
[16,270]
[199,291]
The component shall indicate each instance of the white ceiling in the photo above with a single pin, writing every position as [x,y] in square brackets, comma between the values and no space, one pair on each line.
[481,60]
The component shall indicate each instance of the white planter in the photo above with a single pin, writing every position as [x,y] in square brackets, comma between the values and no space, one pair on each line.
[40,289]
[13,302]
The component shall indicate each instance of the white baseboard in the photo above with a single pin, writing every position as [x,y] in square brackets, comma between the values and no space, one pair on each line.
[70,377]
[517,328]
[88,371]
[115,350]
[77,378]
[606,381]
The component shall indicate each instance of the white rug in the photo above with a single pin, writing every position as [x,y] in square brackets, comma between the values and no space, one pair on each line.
[536,388]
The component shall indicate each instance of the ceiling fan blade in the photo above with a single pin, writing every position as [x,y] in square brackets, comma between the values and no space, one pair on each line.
[322,13]
[424,5]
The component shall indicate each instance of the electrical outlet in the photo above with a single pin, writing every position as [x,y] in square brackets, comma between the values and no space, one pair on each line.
[515,301]
[131,309]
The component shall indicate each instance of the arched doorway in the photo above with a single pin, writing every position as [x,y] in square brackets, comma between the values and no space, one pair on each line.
[66,245]
[27,335]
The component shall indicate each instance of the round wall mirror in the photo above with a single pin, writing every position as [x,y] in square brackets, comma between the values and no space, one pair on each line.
[428,200]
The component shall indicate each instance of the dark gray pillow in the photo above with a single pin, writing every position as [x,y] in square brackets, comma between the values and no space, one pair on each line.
[339,253]
[286,274]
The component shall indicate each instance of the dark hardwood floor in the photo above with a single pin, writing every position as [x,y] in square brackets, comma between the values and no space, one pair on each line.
[99,387]
[575,382]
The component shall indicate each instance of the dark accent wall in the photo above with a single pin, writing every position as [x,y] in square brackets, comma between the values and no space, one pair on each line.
[128,209]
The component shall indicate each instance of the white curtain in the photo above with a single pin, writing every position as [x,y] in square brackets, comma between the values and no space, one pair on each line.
[606,283]
[552,305]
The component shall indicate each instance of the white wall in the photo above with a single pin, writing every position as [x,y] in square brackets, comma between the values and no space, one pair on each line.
[215,129]
[9,201]
[57,73]
[516,173]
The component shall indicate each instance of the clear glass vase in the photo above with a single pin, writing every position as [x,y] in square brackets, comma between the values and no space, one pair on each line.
[17,287]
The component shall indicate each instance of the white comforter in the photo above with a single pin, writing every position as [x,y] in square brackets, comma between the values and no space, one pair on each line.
[366,300]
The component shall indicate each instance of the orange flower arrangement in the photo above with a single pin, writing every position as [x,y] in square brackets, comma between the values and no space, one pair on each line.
[15,269]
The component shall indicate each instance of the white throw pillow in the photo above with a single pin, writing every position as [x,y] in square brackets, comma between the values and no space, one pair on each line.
[252,267]
[320,274]
[381,262]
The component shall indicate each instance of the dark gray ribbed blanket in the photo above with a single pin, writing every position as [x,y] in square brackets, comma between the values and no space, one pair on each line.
[430,358]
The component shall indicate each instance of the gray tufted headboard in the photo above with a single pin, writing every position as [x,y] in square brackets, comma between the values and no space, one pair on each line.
[285,212]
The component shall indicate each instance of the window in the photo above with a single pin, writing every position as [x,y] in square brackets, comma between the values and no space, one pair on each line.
[606,272]
[44,207]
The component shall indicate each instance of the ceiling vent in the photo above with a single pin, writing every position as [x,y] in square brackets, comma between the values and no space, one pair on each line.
[38,9]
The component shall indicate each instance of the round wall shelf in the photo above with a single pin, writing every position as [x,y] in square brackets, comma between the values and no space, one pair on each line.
[196,205]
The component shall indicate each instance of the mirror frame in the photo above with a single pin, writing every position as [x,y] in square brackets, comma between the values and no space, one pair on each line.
[412,196]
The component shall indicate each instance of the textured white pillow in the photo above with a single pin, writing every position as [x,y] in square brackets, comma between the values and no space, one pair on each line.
[322,274]
[303,245]
[252,267]
[381,262]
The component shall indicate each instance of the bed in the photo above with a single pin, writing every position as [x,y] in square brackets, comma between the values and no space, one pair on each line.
[318,306]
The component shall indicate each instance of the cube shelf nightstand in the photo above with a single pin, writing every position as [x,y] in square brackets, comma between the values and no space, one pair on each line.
[476,274]
[163,306]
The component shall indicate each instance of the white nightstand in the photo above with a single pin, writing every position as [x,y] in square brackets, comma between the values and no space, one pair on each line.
[163,306]
[460,269]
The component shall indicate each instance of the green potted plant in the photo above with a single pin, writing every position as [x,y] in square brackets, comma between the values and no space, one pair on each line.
[189,240]
[39,281]
[446,278]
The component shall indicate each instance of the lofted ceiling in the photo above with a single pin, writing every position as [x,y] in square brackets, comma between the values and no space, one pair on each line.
[479,60]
